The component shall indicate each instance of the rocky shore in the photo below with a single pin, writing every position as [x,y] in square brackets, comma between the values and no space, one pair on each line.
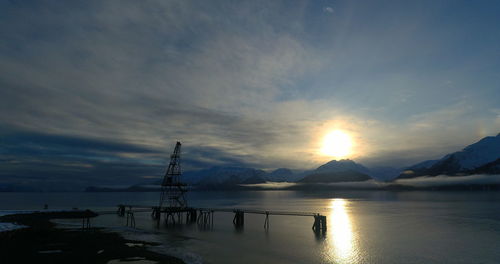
[40,241]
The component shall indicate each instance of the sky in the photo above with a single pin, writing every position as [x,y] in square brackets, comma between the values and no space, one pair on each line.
[100,91]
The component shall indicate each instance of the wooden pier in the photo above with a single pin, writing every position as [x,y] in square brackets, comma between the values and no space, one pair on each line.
[204,216]
[174,207]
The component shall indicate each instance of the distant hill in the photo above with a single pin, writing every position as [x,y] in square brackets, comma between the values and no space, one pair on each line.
[337,176]
[333,171]
[220,175]
[18,188]
[338,171]
[384,173]
[225,177]
[133,188]
[342,165]
[422,165]
[488,168]
[480,157]
[282,175]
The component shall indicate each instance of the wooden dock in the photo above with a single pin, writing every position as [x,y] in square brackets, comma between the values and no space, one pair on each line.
[173,204]
[204,216]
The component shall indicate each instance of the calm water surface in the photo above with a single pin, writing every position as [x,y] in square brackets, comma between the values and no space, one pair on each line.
[363,227]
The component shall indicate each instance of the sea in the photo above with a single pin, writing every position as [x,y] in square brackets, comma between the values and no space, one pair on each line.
[363,226]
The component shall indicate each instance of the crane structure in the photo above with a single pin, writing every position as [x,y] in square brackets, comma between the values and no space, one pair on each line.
[173,205]
[172,189]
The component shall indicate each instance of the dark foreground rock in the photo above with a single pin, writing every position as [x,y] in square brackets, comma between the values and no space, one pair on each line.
[42,242]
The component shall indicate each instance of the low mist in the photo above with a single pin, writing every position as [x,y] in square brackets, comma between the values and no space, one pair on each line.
[419,182]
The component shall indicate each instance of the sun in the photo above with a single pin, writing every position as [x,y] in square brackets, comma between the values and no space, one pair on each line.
[337,144]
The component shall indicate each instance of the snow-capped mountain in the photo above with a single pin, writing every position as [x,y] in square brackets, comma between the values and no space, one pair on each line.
[484,151]
[466,161]
[228,177]
[338,171]
[222,175]
[342,165]
[480,157]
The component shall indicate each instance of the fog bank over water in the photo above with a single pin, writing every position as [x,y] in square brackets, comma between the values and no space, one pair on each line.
[419,182]
[443,180]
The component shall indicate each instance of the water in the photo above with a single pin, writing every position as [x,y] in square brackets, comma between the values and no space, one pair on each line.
[363,227]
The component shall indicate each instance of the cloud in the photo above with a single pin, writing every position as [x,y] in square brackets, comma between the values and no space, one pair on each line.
[237,83]
[18,142]
[123,73]
[59,162]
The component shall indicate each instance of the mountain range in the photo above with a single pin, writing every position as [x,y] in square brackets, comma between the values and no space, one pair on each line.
[223,177]
[337,171]
[226,177]
[480,157]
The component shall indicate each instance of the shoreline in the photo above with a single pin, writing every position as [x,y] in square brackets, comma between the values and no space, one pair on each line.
[41,241]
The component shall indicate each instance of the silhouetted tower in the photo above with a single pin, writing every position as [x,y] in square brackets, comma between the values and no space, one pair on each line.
[172,190]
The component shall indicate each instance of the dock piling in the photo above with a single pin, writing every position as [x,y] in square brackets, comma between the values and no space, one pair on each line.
[266,222]
[319,223]
[121,210]
[156,213]
[85,223]
[205,218]
[239,218]
[130,218]
[191,216]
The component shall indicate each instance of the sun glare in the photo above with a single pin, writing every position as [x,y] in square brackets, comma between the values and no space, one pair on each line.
[342,240]
[337,144]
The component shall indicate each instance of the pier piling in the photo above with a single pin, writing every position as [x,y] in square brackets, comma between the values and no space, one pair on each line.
[156,213]
[191,216]
[239,218]
[85,223]
[130,218]
[319,223]
[121,210]
[266,222]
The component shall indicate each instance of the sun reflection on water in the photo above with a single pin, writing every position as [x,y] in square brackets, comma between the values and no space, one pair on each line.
[341,240]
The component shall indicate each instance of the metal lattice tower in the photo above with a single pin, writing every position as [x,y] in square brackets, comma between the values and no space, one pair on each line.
[172,190]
